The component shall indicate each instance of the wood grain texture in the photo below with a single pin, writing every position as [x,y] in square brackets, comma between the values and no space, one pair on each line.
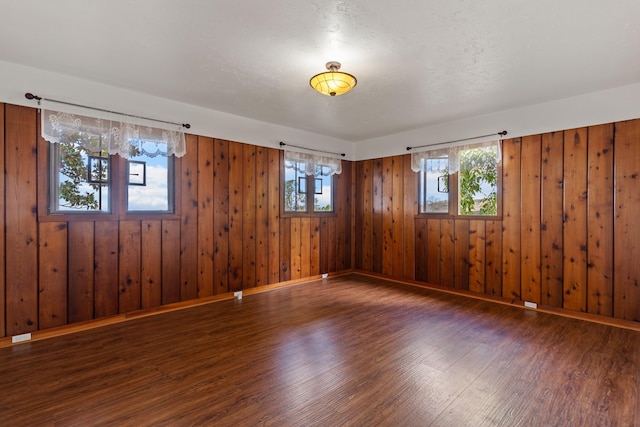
[248,216]
[493,258]
[447,252]
[170,269]
[360,351]
[511,194]
[432,263]
[221,217]
[3,283]
[530,218]
[274,215]
[552,219]
[235,216]
[129,266]
[262,217]
[461,251]
[206,203]
[600,220]
[150,268]
[397,217]
[477,258]
[20,216]
[52,304]
[377,231]
[575,220]
[409,211]
[387,216]
[106,254]
[81,271]
[421,250]
[189,221]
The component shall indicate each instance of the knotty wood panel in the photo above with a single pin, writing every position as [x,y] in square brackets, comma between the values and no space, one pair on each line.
[461,266]
[410,210]
[20,227]
[333,243]
[249,216]
[477,258]
[295,245]
[493,258]
[397,217]
[105,266]
[81,269]
[367,218]
[235,215]
[552,219]
[52,266]
[343,211]
[205,217]
[262,216]
[433,251]
[447,252]
[285,249]
[420,250]
[626,292]
[170,268]
[305,247]
[315,246]
[3,329]
[151,264]
[129,266]
[575,220]
[387,216]
[189,227]
[274,215]
[530,267]
[377,232]
[221,217]
[359,213]
[511,191]
[600,220]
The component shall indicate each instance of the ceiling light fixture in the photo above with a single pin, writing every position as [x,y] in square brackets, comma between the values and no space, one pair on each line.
[333,82]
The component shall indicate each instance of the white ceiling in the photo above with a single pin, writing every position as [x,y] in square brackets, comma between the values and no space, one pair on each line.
[418,62]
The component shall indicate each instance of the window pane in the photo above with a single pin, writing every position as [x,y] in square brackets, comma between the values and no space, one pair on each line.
[478,182]
[434,185]
[149,179]
[323,189]
[79,174]
[295,198]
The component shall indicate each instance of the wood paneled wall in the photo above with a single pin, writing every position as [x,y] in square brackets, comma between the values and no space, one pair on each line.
[229,236]
[568,236]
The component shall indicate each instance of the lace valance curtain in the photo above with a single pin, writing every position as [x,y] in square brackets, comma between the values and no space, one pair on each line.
[120,136]
[330,165]
[418,159]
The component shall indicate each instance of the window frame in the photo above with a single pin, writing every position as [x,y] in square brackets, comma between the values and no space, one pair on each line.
[118,191]
[311,187]
[454,190]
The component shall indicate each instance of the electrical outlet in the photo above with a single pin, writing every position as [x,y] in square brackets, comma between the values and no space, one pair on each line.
[325,275]
[530,304]
[20,338]
[237,295]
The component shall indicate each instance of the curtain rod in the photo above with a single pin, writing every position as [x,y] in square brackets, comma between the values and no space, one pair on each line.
[311,149]
[37,98]
[501,133]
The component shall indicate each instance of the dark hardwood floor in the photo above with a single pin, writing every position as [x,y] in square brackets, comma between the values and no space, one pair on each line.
[353,350]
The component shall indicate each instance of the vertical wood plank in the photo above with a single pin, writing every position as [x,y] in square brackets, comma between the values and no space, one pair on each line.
[105,265]
[461,266]
[189,225]
[129,268]
[626,275]
[377,232]
[552,219]
[575,220]
[420,249]
[285,249]
[359,213]
[600,220]
[315,247]
[262,216]
[305,247]
[170,268]
[205,216]
[477,256]
[81,271]
[324,245]
[410,210]
[235,216]
[53,274]
[249,216]
[433,251]
[511,191]
[296,256]
[387,216]
[344,213]
[332,244]
[221,217]
[367,216]
[493,258]
[21,228]
[151,264]
[398,217]
[446,252]
[530,218]
[274,215]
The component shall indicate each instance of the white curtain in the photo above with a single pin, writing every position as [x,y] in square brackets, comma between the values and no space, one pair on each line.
[330,165]
[417,163]
[120,135]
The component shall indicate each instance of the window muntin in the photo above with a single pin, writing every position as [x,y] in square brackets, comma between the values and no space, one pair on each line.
[80,174]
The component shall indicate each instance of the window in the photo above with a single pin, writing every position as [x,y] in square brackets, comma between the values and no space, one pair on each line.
[308,182]
[459,180]
[85,178]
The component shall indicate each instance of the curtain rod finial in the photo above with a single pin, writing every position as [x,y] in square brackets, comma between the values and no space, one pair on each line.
[409,148]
